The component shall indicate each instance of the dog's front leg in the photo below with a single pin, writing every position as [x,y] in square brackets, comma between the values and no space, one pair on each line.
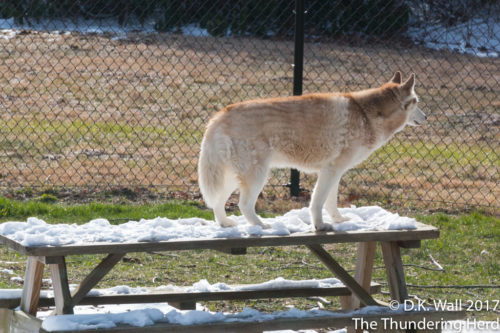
[326,179]
[331,202]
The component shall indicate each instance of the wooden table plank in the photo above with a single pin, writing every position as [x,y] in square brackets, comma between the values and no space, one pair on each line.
[60,285]
[338,320]
[364,268]
[155,296]
[32,285]
[363,274]
[18,322]
[394,269]
[422,232]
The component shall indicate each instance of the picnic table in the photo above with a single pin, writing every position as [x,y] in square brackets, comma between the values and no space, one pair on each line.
[356,291]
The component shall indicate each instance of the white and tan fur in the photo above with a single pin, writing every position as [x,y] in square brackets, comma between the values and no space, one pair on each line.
[323,133]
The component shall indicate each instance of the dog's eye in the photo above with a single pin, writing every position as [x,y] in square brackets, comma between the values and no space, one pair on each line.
[410,102]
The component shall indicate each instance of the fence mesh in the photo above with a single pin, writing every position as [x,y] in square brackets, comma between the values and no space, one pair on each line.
[105,94]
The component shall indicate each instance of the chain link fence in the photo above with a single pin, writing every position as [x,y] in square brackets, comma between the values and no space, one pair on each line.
[101,94]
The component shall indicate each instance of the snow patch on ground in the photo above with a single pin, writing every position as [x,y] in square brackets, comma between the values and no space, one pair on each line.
[12,278]
[36,232]
[17,279]
[7,271]
[90,26]
[9,29]
[478,37]
[194,30]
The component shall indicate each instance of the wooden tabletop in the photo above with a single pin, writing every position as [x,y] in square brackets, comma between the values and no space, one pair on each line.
[423,231]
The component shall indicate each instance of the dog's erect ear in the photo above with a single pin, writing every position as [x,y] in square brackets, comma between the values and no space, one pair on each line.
[409,84]
[396,78]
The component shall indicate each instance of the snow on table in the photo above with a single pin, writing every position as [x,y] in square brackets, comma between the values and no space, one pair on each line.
[201,286]
[278,283]
[147,315]
[141,315]
[36,232]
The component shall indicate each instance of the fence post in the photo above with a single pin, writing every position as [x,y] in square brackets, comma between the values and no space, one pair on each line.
[297,78]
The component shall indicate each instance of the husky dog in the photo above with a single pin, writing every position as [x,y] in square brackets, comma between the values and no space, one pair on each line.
[325,133]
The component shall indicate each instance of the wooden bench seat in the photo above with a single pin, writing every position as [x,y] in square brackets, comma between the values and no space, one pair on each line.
[187,300]
[335,320]
[339,320]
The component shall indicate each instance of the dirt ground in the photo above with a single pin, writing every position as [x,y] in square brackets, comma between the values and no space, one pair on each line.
[94,116]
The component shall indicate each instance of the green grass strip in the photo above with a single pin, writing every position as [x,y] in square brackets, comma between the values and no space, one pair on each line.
[53,212]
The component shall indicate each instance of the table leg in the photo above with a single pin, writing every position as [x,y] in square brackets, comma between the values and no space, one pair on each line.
[356,290]
[32,286]
[363,275]
[395,273]
[64,300]
[62,295]
[394,269]
[103,268]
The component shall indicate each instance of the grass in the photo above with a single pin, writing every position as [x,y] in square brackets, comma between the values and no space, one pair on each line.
[468,251]
[81,213]
[59,137]
[425,175]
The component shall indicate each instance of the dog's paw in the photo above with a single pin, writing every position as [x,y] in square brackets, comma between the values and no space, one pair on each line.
[256,229]
[262,225]
[339,219]
[266,226]
[227,223]
[323,227]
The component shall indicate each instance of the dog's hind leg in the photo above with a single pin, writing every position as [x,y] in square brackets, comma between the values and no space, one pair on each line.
[250,187]
[220,203]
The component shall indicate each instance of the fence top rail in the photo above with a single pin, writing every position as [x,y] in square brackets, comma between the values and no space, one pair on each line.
[422,231]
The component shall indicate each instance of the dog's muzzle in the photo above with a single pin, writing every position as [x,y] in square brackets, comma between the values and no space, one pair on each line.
[418,117]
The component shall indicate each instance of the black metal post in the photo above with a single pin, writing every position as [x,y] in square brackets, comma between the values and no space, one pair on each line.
[297,78]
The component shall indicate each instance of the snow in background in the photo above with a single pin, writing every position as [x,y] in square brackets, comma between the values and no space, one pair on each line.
[90,26]
[194,30]
[36,232]
[9,29]
[478,37]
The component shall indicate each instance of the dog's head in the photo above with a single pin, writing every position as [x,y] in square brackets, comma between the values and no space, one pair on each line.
[408,99]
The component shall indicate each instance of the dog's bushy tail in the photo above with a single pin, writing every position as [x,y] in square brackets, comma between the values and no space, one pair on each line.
[211,165]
